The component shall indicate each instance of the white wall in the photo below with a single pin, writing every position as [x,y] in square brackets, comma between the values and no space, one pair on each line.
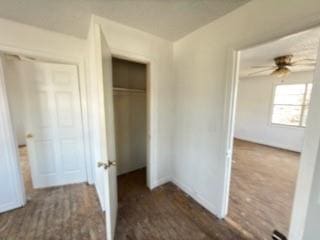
[202,62]
[22,36]
[309,173]
[130,125]
[16,102]
[312,231]
[126,41]
[254,109]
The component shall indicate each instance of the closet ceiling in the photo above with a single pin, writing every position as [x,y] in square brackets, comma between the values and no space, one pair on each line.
[169,19]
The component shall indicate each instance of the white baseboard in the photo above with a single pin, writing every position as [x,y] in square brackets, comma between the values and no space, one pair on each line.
[10,206]
[268,144]
[160,182]
[198,198]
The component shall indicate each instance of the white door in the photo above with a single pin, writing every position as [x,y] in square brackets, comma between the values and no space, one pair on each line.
[11,188]
[54,124]
[107,171]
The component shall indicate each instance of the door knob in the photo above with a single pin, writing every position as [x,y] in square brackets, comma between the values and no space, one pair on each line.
[112,163]
[29,135]
[106,165]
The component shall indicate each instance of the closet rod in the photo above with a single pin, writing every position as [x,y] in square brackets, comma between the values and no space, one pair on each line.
[129,90]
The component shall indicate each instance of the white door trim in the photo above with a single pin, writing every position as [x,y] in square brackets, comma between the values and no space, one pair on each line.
[229,116]
[81,64]
[296,223]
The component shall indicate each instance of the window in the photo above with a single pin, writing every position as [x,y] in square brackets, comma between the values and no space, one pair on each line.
[291,104]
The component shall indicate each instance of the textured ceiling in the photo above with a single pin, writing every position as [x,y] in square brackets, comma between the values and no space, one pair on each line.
[301,45]
[169,19]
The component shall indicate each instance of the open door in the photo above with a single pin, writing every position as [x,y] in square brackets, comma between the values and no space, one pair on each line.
[107,171]
[11,187]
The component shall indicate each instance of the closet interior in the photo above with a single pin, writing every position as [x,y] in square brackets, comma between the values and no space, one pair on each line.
[130,112]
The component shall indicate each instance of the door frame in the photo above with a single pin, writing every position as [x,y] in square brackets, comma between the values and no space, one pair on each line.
[80,63]
[150,113]
[303,181]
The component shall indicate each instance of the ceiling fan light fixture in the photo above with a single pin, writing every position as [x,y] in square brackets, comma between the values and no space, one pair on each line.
[281,72]
[282,66]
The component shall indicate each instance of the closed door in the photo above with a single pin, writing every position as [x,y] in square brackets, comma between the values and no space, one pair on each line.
[54,125]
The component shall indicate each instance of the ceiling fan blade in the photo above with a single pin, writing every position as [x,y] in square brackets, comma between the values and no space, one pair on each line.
[303,64]
[262,66]
[265,70]
[307,59]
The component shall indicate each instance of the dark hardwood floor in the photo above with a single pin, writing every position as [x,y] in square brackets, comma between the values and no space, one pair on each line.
[262,188]
[73,213]
[64,213]
[60,213]
[164,213]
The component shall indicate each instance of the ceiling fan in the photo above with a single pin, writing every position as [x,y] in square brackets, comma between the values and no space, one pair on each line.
[283,65]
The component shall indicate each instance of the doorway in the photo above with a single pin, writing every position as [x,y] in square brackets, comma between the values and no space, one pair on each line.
[108,162]
[271,103]
[130,98]
[44,102]
[54,205]
[130,107]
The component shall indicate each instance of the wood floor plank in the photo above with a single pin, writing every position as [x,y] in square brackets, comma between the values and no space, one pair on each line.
[58,213]
[73,213]
[262,188]
[164,213]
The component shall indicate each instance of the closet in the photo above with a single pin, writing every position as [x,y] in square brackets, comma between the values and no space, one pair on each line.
[130,110]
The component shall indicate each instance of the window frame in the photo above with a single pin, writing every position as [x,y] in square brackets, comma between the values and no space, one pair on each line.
[303,106]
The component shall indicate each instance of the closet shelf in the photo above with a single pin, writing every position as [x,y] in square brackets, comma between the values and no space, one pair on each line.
[129,90]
